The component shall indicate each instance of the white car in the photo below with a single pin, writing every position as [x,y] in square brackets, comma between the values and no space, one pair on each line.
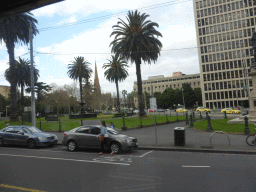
[136,111]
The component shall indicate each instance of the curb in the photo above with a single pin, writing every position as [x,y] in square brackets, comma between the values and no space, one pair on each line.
[190,150]
[197,150]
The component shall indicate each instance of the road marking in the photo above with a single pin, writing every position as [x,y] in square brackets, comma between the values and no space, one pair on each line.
[114,159]
[194,166]
[136,178]
[20,188]
[146,154]
[63,159]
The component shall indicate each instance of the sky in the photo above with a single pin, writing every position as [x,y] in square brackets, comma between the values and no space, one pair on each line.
[82,28]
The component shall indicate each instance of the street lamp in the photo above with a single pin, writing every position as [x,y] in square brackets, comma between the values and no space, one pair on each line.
[6,110]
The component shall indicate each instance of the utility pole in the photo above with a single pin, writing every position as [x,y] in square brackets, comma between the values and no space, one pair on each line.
[33,111]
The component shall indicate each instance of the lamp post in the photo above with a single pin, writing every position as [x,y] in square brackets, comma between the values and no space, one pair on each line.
[6,110]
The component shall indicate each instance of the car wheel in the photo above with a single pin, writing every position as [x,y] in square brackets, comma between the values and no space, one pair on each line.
[72,146]
[1,142]
[115,147]
[31,143]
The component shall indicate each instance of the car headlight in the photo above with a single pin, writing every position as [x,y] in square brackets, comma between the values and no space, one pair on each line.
[42,138]
[128,140]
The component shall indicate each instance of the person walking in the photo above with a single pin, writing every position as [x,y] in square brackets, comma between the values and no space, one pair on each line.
[112,125]
[104,138]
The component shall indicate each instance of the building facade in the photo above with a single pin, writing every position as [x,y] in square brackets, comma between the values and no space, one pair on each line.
[224,29]
[160,83]
[5,90]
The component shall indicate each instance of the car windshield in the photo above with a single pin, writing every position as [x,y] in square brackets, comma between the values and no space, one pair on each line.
[112,131]
[31,129]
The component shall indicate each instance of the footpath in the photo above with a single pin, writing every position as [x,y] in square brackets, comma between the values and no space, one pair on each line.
[162,138]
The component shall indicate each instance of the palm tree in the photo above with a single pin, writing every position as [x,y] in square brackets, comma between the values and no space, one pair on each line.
[79,69]
[115,71]
[136,41]
[41,89]
[22,76]
[15,29]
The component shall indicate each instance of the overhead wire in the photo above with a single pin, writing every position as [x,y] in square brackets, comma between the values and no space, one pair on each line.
[110,15]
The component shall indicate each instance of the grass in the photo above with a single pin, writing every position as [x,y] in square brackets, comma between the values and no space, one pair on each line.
[222,125]
[134,122]
[68,124]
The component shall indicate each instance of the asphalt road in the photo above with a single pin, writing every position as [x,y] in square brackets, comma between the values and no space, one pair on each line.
[55,169]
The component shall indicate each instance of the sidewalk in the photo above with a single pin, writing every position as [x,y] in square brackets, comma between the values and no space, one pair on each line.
[195,140]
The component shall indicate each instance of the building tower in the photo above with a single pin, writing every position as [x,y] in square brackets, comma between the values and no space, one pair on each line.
[223,29]
[97,90]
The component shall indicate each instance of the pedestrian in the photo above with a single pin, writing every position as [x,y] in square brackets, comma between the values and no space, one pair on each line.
[104,138]
[112,125]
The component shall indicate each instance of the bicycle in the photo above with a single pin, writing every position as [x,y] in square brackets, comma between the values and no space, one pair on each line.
[251,139]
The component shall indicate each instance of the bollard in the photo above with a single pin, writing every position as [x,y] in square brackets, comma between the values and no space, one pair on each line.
[187,122]
[177,116]
[59,126]
[191,121]
[246,129]
[141,122]
[124,128]
[225,115]
[194,118]
[81,122]
[200,115]
[209,126]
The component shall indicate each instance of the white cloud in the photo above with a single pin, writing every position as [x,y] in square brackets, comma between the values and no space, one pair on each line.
[178,32]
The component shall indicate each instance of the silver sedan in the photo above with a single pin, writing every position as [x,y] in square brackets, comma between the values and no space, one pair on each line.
[86,137]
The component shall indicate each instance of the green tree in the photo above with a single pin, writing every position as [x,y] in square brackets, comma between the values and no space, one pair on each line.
[41,89]
[22,76]
[135,41]
[198,95]
[79,69]
[15,29]
[189,95]
[115,71]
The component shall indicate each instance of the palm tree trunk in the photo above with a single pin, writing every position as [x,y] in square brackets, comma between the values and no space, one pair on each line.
[139,83]
[10,48]
[22,100]
[81,94]
[117,90]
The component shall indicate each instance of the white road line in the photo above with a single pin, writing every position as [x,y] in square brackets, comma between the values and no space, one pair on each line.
[146,154]
[63,159]
[194,166]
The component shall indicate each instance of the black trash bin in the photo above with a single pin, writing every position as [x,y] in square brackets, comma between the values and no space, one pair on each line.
[179,136]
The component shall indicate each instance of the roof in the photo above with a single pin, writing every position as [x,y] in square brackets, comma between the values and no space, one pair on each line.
[11,7]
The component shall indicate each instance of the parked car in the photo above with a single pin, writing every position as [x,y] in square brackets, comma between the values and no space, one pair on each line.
[203,109]
[180,110]
[136,111]
[245,112]
[151,110]
[160,110]
[26,135]
[230,110]
[86,137]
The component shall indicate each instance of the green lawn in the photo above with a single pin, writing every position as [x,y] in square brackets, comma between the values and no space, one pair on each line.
[134,122]
[222,125]
[68,124]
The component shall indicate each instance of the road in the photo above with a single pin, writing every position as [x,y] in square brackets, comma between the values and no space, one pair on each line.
[56,169]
